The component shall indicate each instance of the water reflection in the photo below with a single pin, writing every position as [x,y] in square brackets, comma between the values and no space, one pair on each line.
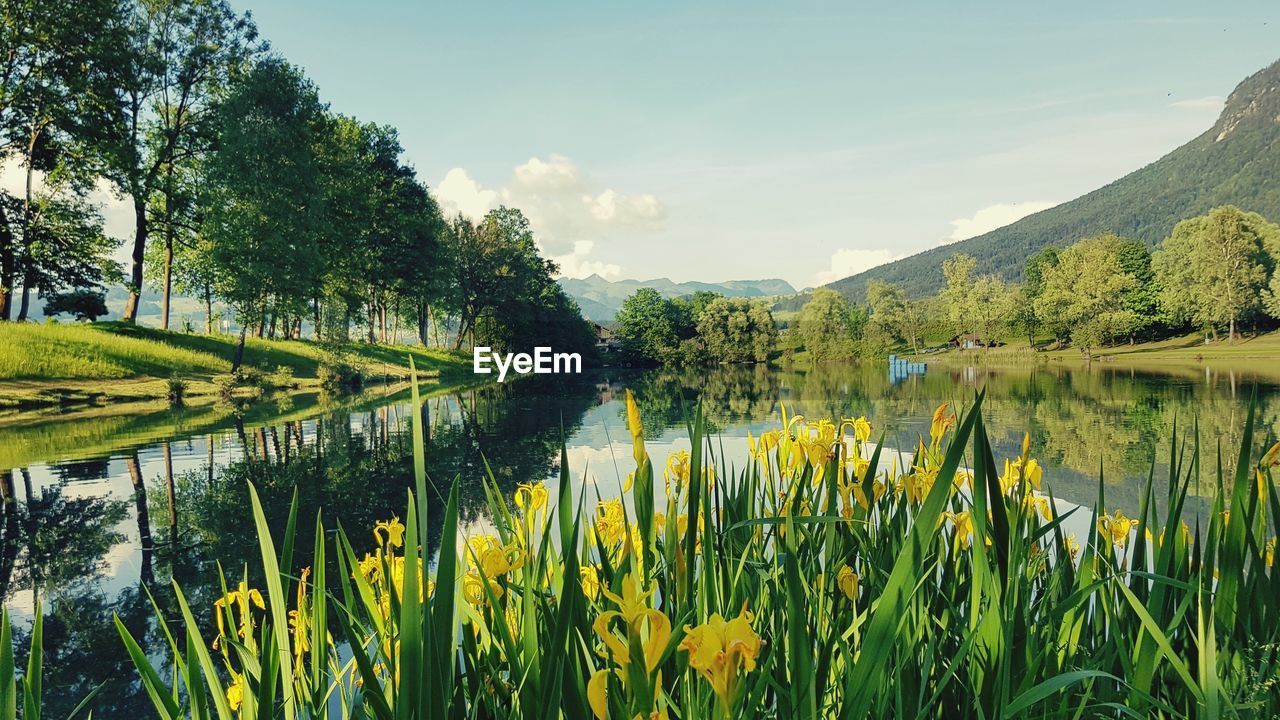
[98,511]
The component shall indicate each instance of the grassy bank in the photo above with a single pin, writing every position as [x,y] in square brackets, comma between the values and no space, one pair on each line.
[66,364]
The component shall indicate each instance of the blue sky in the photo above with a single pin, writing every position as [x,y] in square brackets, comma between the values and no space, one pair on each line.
[743,140]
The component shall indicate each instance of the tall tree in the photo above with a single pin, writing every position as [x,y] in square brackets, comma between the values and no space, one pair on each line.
[1086,292]
[1215,267]
[738,330]
[264,200]
[182,52]
[826,325]
[59,63]
[896,315]
[957,297]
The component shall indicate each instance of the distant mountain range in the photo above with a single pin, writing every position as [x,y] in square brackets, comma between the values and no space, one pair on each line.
[601,299]
[1237,162]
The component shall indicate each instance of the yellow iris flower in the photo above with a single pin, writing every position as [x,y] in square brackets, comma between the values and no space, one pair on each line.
[721,650]
[1116,527]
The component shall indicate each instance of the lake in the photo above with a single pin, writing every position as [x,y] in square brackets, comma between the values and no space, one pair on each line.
[100,509]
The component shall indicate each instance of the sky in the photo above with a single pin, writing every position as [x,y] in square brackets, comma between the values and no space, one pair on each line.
[743,140]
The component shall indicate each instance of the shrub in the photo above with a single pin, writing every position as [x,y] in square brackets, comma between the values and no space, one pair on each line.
[337,372]
[177,390]
[83,304]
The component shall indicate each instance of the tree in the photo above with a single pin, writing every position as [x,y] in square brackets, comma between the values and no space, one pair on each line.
[737,330]
[182,52]
[1086,292]
[993,303]
[895,315]
[1215,267]
[58,68]
[83,304]
[263,198]
[1023,319]
[957,297]
[651,327]
[826,326]
[1143,300]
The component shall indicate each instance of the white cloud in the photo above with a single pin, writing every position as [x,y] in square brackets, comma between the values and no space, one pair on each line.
[1211,102]
[569,213]
[991,217]
[575,264]
[846,262]
[458,193]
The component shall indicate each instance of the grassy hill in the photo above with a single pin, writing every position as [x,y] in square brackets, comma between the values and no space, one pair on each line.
[1237,161]
[601,299]
[63,362]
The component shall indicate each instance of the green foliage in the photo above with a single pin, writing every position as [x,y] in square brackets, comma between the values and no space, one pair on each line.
[737,330]
[1087,293]
[651,328]
[83,304]
[827,326]
[1214,268]
[896,316]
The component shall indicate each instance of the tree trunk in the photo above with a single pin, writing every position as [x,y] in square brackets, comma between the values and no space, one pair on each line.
[315,305]
[28,280]
[1231,331]
[8,266]
[424,312]
[140,230]
[168,245]
[168,279]
[235,362]
[208,310]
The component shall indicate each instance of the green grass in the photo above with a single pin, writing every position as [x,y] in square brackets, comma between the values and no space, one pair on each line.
[111,351]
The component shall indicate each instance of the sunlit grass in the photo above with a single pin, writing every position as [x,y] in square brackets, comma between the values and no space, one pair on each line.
[816,582]
[67,351]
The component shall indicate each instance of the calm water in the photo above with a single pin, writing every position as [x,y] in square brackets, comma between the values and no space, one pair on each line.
[98,510]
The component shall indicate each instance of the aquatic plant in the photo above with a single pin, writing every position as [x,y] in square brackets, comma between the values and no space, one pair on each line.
[824,579]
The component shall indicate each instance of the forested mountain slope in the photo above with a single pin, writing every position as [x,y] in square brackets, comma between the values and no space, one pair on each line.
[1237,161]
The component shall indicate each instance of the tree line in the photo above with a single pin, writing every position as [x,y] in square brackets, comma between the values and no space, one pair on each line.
[703,328]
[1215,273]
[246,189]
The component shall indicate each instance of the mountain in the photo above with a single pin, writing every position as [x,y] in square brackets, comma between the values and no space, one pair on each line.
[601,299]
[1236,162]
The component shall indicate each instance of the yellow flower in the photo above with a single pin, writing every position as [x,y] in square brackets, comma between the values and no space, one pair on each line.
[1040,504]
[589,576]
[530,497]
[1271,458]
[389,533]
[1271,552]
[1033,473]
[677,471]
[963,523]
[1072,546]
[847,581]
[942,422]
[596,693]
[473,589]
[235,691]
[1116,527]
[862,429]
[719,650]
[636,428]
[239,602]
